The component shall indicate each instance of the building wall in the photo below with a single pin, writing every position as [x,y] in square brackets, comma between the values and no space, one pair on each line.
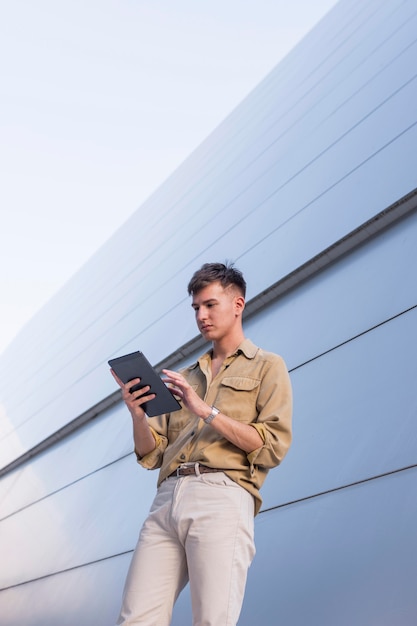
[309,185]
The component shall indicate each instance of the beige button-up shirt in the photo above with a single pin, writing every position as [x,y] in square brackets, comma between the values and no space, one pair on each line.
[252,386]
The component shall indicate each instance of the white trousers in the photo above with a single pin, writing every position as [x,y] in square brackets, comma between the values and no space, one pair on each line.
[199,529]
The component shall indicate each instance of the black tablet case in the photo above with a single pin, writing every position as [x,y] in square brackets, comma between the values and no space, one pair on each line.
[136,365]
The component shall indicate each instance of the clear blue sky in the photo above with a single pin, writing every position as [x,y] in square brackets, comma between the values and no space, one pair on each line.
[100,100]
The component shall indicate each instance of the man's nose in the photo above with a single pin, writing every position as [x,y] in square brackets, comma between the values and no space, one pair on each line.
[201,314]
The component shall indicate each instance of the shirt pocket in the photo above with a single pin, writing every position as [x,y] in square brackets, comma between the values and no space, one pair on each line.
[237,397]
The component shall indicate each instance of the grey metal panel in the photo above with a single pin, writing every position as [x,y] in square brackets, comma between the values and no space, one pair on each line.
[100,442]
[361,290]
[353,88]
[90,520]
[349,424]
[86,596]
[344,558]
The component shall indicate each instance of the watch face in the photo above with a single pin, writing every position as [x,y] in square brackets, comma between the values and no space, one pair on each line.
[212,415]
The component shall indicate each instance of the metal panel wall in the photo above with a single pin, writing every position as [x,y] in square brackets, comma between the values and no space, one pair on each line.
[326,143]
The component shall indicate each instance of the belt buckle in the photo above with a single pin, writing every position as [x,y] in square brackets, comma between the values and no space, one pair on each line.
[195,469]
[181,467]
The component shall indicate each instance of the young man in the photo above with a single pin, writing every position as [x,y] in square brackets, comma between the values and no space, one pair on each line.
[213,455]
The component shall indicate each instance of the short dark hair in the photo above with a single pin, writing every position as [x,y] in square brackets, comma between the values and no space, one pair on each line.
[224,273]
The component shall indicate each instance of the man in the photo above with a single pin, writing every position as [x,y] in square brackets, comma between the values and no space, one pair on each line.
[213,455]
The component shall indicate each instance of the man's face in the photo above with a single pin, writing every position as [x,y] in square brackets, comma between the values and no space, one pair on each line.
[217,310]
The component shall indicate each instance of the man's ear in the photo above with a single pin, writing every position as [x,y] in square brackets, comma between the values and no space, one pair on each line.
[239,304]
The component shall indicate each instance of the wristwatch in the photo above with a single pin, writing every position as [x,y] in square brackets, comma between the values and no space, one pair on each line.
[212,415]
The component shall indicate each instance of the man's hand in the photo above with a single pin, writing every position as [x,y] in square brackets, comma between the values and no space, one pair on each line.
[134,400]
[183,390]
[241,435]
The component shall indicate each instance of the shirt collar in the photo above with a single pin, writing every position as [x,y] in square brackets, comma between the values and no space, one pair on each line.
[247,348]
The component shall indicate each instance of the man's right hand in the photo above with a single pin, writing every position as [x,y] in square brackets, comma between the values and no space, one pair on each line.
[134,400]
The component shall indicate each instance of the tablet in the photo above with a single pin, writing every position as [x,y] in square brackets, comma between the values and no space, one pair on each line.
[136,365]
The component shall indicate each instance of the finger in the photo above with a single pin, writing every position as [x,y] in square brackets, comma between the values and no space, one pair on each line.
[172,374]
[176,392]
[128,394]
[170,382]
[174,378]
[138,393]
[142,399]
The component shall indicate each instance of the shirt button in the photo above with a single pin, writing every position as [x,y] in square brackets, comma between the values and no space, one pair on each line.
[182,457]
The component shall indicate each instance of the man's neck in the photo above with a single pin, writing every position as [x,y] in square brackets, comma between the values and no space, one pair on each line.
[226,347]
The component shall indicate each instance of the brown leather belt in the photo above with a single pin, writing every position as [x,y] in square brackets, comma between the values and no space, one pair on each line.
[190,470]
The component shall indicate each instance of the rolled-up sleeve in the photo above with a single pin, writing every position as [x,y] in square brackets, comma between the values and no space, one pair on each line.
[274,422]
[153,460]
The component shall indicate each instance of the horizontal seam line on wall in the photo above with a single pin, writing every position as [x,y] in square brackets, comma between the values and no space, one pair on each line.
[64,571]
[66,486]
[361,334]
[341,488]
